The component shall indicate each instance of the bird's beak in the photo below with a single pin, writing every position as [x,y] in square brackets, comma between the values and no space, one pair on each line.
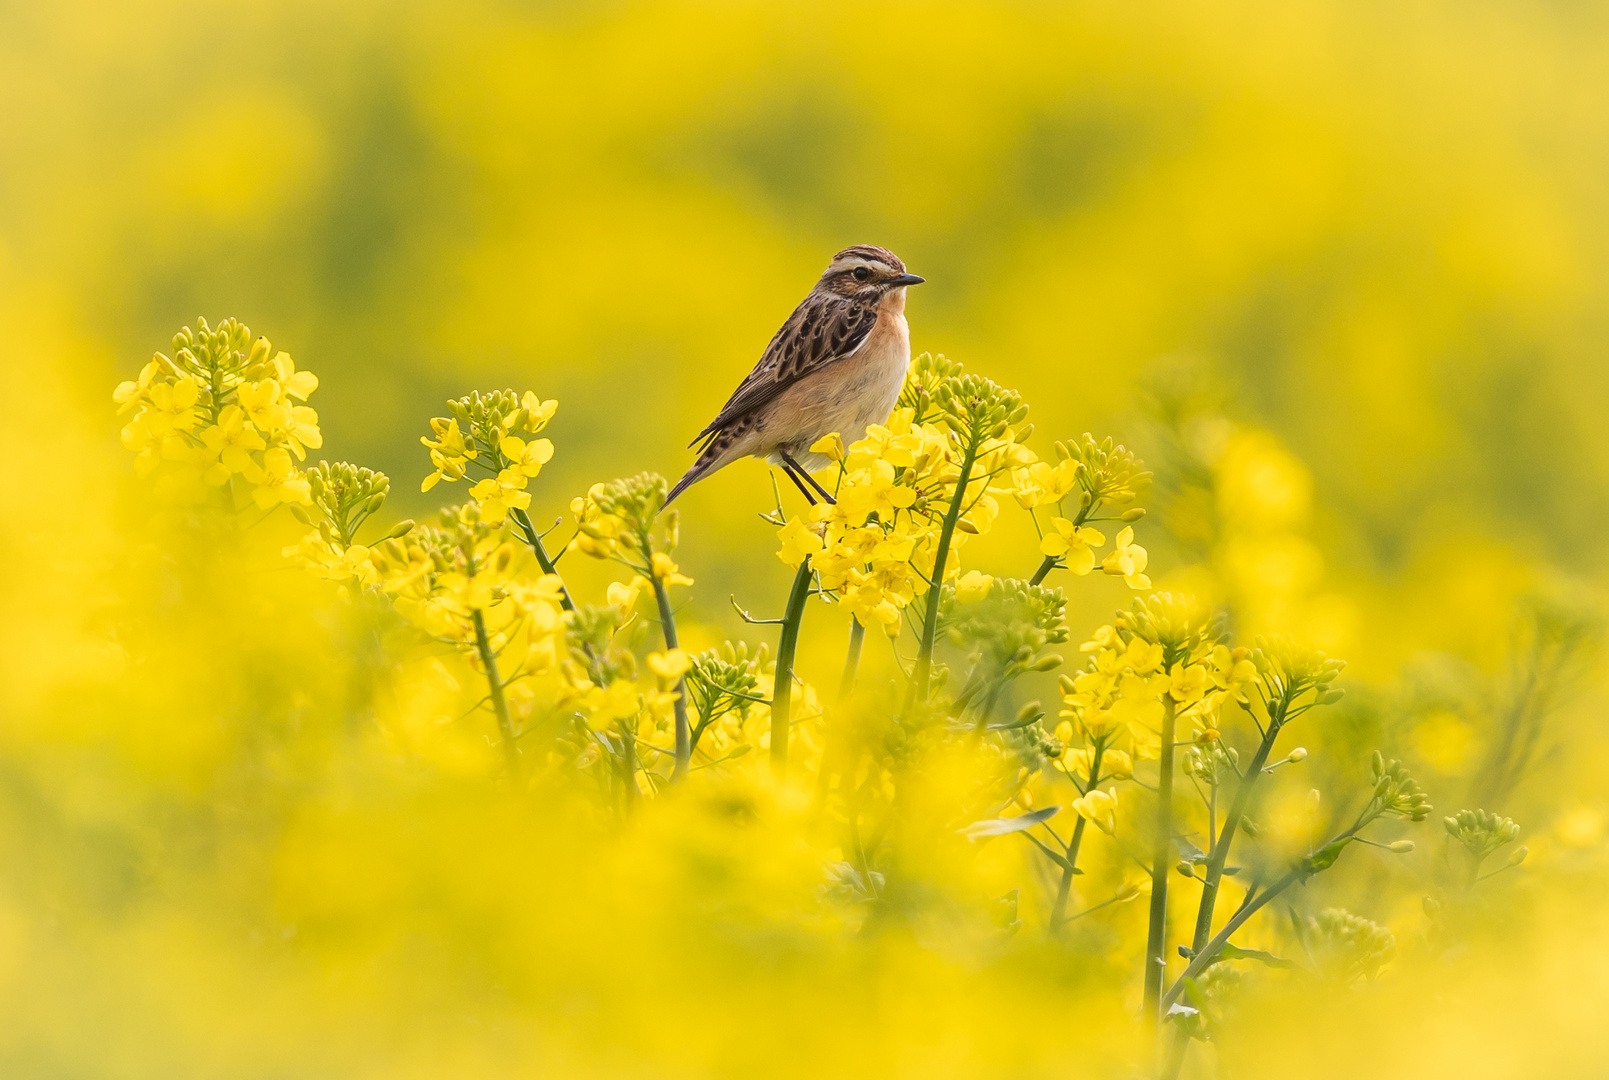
[907,279]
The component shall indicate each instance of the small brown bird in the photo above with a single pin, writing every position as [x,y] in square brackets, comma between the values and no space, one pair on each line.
[837,365]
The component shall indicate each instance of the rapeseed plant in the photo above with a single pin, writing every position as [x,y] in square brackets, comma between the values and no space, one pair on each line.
[575,692]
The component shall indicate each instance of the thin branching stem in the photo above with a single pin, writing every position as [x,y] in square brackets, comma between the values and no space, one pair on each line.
[1218,856]
[1058,913]
[1156,934]
[667,623]
[930,623]
[782,688]
[505,723]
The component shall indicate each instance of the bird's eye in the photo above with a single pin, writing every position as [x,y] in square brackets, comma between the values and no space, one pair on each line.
[861,273]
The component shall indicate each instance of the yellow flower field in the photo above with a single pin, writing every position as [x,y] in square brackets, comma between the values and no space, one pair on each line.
[1199,674]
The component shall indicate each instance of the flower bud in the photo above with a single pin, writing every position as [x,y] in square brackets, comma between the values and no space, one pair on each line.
[1185,868]
[1402,847]
[1131,516]
[1299,754]
[400,529]
[1049,662]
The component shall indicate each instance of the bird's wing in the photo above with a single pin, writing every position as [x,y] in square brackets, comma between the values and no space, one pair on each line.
[821,331]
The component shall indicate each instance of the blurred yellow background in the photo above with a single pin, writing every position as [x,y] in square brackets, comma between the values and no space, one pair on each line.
[1352,257]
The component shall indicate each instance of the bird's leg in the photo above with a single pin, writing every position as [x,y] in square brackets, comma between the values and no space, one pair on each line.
[787,471]
[811,480]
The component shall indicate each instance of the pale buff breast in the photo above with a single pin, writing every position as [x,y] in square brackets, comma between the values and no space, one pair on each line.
[846,397]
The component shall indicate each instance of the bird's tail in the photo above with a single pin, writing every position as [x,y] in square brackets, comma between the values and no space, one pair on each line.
[721,449]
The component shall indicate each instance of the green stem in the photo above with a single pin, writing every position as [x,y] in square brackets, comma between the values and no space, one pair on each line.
[505,723]
[782,687]
[1219,854]
[1058,914]
[1045,568]
[523,520]
[1203,959]
[923,674]
[667,623]
[628,765]
[1156,935]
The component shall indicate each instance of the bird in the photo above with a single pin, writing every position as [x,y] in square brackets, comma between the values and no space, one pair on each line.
[836,365]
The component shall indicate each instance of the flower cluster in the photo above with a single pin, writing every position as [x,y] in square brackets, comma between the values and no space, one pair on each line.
[491,432]
[1481,832]
[1347,947]
[223,406]
[1159,649]
[342,498]
[616,520]
[1105,476]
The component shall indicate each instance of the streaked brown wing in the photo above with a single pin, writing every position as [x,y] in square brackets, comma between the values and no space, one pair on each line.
[821,331]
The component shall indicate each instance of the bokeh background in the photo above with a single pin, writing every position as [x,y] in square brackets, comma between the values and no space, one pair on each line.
[1339,270]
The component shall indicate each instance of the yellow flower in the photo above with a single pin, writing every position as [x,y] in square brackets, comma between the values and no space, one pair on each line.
[297,384]
[499,494]
[301,430]
[1073,544]
[665,568]
[829,446]
[972,586]
[1099,807]
[129,394]
[228,445]
[1042,483]
[623,597]
[278,481]
[1127,561]
[448,452]
[1188,683]
[670,665]
[539,411]
[331,561]
[527,457]
[798,542]
[261,400]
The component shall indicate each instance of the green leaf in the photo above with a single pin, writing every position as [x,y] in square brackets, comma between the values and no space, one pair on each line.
[1232,952]
[1325,857]
[1001,826]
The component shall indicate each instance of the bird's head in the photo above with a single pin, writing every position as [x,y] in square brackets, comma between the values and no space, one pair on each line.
[865,273]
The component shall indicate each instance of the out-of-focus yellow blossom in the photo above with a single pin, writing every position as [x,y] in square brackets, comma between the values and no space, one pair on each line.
[278,480]
[972,585]
[670,665]
[220,408]
[1127,561]
[624,596]
[229,444]
[1075,545]
[665,569]
[1098,807]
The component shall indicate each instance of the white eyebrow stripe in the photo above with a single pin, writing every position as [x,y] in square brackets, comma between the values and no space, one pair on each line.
[855,260]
